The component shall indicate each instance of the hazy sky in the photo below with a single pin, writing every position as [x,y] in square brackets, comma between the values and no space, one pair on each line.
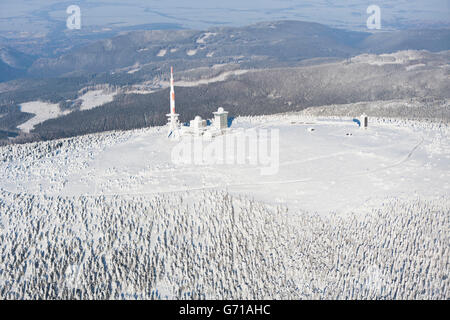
[41,15]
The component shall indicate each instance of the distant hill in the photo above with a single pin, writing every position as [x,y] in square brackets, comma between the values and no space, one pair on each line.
[261,45]
[13,64]
[387,42]
[264,68]
[369,78]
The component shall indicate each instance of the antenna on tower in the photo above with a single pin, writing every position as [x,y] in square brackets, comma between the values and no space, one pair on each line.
[172,117]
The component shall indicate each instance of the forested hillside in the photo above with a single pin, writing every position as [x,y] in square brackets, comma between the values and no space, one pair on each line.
[273,91]
[218,247]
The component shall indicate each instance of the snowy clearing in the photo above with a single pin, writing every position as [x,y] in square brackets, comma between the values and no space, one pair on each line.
[96,98]
[406,57]
[205,36]
[161,53]
[191,52]
[42,110]
[133,70]
[221,77]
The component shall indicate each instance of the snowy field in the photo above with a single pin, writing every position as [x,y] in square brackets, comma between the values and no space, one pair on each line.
[95,98]
[351,213]
[337,167]
[42,111]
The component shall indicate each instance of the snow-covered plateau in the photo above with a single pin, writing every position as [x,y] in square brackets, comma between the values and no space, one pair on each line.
[350,213]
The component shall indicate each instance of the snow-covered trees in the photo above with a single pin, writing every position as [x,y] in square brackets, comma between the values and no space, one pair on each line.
[212,245]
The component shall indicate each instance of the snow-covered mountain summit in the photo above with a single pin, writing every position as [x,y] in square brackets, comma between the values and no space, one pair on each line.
[350,213]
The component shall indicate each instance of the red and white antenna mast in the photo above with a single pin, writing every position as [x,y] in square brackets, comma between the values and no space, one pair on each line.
[172,93]
[172,117]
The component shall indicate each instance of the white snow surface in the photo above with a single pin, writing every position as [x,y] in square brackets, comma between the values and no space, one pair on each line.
[96,98]
[191,52]
[221,77]
[133,70]
[161,53]
[205,36]
[361,216]
[321,171]
[42,110]
[409,58]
